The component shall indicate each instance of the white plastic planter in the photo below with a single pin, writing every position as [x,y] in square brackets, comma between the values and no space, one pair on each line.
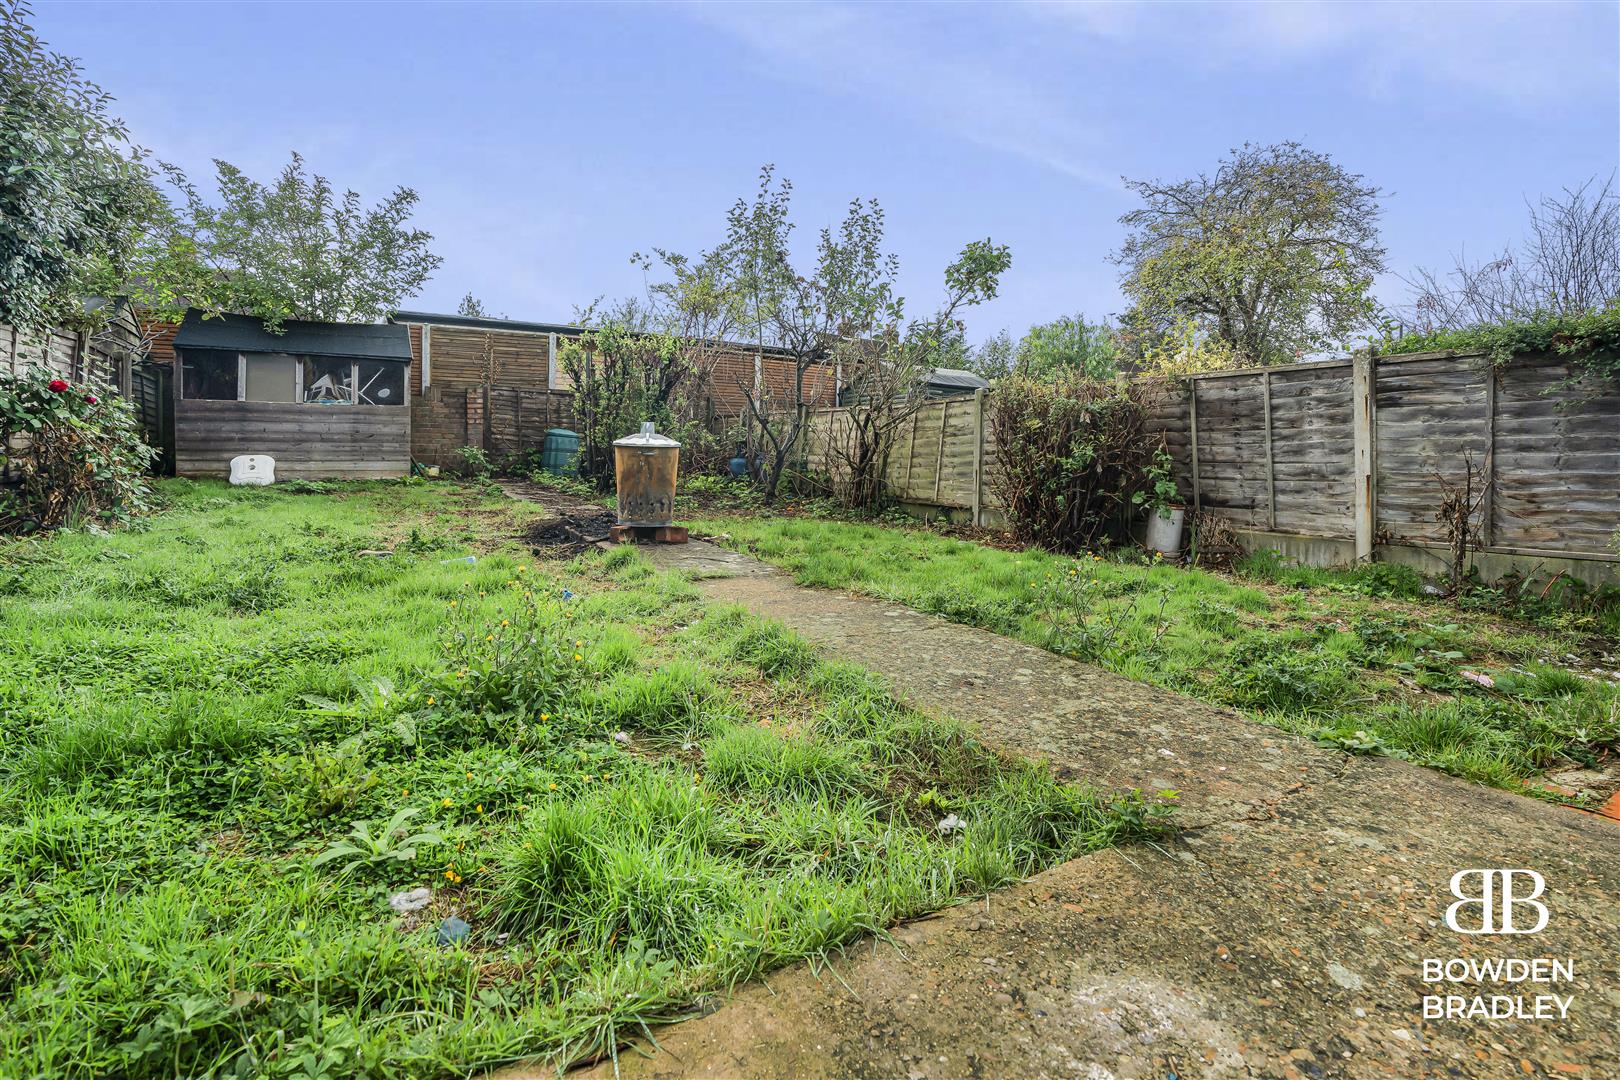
[1164,533]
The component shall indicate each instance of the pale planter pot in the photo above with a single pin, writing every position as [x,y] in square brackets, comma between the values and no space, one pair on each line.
[1164,533]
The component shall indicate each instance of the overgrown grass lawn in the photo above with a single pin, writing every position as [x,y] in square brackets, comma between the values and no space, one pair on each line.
[230,738]
[1358,659]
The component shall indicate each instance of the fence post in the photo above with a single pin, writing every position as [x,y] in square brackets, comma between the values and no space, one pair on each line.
[1192,424]
[978,457]
[939,458]
[1487,499]
[1361,404]
[1271,473]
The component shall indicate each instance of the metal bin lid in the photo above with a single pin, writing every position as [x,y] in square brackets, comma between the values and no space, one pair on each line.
[646,438]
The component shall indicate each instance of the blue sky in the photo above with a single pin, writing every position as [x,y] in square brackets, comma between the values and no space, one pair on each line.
[549,142]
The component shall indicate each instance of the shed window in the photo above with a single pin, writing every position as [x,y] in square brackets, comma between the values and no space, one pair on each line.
[270,377]
[209,376]
[382,382]
[328,382]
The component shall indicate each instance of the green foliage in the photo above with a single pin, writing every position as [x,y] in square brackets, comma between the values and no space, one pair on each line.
[1590,340]
[75,194]
[295,248]
[473,462]
[622,378]
[1068,345]
[1075,459]
[393,843]
[1272,257]
[78,456]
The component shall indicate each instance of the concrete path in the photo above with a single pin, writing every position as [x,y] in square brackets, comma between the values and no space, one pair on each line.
[1282,933]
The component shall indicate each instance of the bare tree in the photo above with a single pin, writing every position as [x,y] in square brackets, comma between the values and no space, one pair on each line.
[1568,264]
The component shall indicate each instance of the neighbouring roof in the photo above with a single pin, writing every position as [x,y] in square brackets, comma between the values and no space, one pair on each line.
[956,378]
[428,318]
[244,333]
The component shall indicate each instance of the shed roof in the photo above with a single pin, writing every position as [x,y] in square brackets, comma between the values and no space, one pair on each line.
[245,333]
[956,378]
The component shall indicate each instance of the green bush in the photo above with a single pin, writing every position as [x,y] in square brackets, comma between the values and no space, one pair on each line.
[78,456]
[1075,459]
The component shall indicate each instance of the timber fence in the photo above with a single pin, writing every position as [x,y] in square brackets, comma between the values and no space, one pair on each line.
[1356,453]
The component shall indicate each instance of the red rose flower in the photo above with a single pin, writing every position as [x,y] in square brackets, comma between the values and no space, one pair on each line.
[90,399]
[58,385]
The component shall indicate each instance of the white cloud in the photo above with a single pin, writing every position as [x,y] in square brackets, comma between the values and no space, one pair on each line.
[1522,54]
[893,61]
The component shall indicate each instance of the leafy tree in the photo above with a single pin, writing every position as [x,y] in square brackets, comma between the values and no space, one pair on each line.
[621,377]
[75,194]
[1269,259]
[296,249]
[1068,344]
[994,358]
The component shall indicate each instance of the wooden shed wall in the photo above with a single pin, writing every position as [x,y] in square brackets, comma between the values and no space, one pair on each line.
[308,441]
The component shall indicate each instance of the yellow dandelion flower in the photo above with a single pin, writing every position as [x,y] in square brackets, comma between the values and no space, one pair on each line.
[445,803]
[489,637]
[505,623]
[579,644]
[430,701]
[545,716]
[578,657]
[452,603]
[551,787]
[479,809]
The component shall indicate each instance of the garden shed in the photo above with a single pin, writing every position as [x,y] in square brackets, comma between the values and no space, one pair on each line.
[325,400]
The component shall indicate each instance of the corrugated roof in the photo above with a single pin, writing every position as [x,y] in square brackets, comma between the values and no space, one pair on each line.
[244,333]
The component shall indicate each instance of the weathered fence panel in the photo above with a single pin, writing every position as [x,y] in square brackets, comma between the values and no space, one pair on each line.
[1276,451]
[943,453]
[516,420]
[1347,455]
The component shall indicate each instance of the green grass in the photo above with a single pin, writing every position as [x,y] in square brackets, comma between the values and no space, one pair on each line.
[229,737]
[1358,659]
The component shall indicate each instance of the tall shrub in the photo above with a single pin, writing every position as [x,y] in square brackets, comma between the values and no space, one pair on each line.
[1074,459]
[75,455]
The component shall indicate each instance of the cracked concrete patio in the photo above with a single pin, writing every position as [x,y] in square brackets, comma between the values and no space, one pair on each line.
[1280,933]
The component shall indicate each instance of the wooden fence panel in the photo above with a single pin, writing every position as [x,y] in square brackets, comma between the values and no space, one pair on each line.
[1312,450]
[1276,450]
[517,420]
[1432,419]
[1557,459]
[1232,478]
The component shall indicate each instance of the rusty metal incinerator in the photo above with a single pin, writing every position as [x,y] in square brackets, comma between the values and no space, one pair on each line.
[644,465]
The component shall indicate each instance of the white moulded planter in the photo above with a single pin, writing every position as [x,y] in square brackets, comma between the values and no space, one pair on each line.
[256,470]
